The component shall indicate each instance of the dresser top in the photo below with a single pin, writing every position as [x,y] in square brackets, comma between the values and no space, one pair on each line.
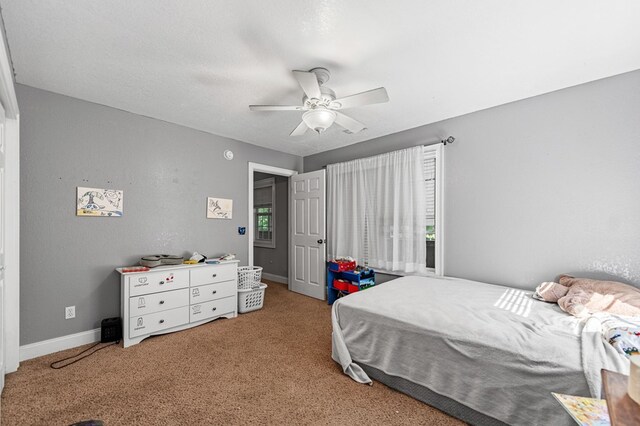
[183,266]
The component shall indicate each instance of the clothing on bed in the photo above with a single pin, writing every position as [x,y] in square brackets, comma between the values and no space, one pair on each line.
[492,348]
[623,333]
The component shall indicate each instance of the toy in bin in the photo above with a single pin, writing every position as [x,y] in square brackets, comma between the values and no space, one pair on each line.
[346,286]
[345,277]
[342,285]
[341,264]
[367,282]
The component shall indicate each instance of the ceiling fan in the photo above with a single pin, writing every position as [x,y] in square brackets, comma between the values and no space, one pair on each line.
[321,106]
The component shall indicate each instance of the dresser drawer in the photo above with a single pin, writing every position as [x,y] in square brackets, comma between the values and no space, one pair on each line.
[208,292]
[214,308]
[154,282]
[156,302]
[152,323]
[213,274]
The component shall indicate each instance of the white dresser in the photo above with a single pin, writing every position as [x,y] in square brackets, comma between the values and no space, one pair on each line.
[172,298]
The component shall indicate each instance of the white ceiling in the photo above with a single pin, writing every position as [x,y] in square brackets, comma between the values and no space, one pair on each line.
[200,63]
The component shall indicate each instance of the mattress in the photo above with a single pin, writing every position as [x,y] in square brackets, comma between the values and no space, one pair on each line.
[491,348]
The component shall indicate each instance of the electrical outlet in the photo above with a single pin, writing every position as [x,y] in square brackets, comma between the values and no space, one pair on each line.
[69,312]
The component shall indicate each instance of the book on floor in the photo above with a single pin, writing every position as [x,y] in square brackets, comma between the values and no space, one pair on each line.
[585,411]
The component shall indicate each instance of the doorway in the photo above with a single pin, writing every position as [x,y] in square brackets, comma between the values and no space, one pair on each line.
[306,227]
[263,172]
[271,226]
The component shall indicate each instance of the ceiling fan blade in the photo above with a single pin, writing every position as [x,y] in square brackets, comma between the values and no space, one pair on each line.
[275,108]
[300,130]
[309,83]
[374,96]
[354,126]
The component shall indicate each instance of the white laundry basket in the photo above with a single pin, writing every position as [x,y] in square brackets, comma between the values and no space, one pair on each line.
[251,299]
[249,277]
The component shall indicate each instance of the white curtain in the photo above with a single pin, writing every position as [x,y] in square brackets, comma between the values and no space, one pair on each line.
[376,211]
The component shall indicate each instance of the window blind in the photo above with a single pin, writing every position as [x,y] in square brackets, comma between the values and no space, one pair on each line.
[262,196]
[430,184]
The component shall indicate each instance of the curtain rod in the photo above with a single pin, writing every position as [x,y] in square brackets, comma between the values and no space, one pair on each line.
[450,139]
[444,142]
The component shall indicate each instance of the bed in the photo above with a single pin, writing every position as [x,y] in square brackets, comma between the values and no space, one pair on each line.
[484,353]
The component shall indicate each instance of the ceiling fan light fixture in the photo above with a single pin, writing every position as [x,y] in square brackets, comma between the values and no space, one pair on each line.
[321,107]
[319,120]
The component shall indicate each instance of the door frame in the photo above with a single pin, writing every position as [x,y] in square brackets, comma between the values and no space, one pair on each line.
[279,171]
[11,300]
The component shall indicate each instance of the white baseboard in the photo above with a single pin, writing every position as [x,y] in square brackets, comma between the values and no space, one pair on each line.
[276,278]
[45,347]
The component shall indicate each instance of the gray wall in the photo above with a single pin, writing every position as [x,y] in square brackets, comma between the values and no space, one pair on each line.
[537,187]
[166,172]
[276,260]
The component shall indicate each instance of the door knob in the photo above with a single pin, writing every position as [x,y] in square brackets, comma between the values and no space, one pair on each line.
[322,241]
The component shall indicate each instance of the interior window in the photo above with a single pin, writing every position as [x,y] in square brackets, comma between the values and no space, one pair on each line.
[264,212]
[264,218]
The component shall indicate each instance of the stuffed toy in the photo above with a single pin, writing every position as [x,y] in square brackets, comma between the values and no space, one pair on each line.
[550,291]
[585,296]
[582,296]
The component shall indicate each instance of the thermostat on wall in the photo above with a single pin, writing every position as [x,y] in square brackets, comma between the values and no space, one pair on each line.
[228,154]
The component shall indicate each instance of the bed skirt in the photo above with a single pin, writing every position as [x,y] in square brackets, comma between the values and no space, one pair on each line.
[429,397]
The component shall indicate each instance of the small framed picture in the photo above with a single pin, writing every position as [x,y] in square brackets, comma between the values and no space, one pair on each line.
[219,208]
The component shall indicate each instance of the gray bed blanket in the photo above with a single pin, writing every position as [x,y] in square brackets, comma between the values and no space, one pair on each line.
[492,348]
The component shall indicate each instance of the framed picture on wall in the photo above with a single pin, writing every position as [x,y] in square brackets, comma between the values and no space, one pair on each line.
[99,202]
[219,208]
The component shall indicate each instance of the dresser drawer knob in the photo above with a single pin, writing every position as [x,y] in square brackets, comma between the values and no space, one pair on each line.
[214,275]
[214,291]
[161,321]
[162,302]
[161,282]
[214,308]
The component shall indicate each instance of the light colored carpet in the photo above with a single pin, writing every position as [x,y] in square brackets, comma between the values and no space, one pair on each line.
[271,366]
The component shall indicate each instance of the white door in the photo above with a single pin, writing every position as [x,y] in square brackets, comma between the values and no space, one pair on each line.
[308,236]
[2,238]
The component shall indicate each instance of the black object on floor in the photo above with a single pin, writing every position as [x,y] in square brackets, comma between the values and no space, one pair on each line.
[111,330]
